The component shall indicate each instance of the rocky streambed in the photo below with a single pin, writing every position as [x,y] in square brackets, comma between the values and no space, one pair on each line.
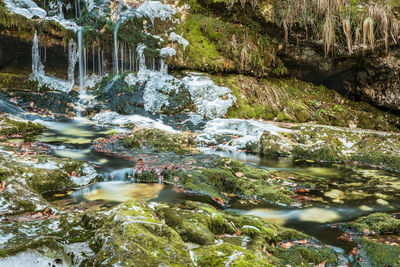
[133,190]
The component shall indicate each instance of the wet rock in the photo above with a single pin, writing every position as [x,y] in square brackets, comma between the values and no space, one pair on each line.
[10,128]
[132,234]
[376,222]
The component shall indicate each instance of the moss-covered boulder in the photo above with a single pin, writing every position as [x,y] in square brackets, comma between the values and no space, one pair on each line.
[160,141]
[131,234]
[332,144]
[232,178]
[377,222]
[226,237]
[10,128]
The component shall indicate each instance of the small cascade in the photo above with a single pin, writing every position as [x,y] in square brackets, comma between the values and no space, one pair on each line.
[37,66]
[60,10]
[72,59]
[81,59]
[142,59]
[164,53]
[99,61]
[115,60]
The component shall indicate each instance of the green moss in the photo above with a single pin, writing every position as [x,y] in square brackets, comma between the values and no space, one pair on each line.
[303,256]
[131,142]
[230,176]
[10,128]
[138,238]
[380,254]
[161,141]
[17,82]
[377,222]
[218,255]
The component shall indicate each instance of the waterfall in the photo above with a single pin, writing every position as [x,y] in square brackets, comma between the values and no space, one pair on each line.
[115,63]
[130,59]
[122,57]
[93,60]
[142,59]
[80,56]
[60,10]
[72,59]
[163,66]
[37,66]
[99,60]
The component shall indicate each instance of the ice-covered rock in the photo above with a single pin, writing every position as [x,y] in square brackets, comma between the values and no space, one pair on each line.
[26,8]
[30,9]
[245,132]
[167,52]
[179,39]
[31,258]
[212,101]
[114,118]
[89,173]
[39,75]
[156,9]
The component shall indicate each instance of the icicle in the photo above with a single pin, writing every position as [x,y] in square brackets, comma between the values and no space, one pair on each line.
[122,57]
[163,66]
[142,59]
[72,59]
[99,60]
[80,52]
[93,60]
[84,63]
[130,60]
[115,63]
[60,10]
[37,66]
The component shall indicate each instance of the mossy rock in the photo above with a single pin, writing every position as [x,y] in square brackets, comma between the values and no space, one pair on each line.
[138,238]
[376,222]
[10,128]
[233,177]
[160,141]
[379,254]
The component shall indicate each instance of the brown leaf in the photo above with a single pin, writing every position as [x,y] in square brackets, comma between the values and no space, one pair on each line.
[322,264]
[2,186]
[287,245]
[239,174]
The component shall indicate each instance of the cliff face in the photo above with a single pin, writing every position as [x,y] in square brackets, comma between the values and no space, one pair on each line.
[329,44]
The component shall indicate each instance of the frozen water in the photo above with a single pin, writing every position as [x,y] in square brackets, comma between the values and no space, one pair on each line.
[156,9]
[114,118]
[247,131]
[179,39]
[212,101]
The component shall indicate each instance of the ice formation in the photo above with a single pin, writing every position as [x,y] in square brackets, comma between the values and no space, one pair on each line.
[157,89]
[155,9]
[114,118]
[212,101]
[39,75]
[179,39]
[30,9]
[245,131]
[164,53]
[89,173]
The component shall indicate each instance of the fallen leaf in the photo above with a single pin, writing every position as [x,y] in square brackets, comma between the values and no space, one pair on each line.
[239,174]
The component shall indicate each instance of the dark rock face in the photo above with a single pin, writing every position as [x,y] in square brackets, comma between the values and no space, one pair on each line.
[378,81]
[374,79]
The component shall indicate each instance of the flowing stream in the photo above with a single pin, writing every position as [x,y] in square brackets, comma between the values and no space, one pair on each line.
[73,139]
